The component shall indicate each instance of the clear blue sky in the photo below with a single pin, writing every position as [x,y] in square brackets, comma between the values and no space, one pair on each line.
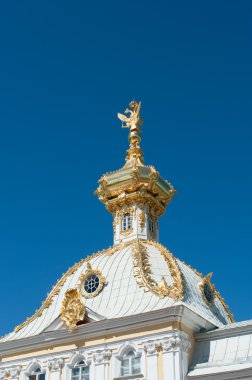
[66,69]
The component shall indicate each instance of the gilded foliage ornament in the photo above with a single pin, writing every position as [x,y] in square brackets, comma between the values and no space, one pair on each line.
[143,273]
[73,309]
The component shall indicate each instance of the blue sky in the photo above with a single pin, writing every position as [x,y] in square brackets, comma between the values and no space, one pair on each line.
[66,69]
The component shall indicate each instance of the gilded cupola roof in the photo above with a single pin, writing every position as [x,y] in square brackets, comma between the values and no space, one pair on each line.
[134,181]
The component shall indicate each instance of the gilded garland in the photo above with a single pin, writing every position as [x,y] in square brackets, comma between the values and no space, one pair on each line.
[143,273]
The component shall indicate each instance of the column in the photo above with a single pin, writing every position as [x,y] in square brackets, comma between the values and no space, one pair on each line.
[101,361]
[55,366]
[175,356]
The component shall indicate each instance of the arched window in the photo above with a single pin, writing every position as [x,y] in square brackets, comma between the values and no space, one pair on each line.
[37,374]
[126,221]
[130,364]
[151,225]
[80,371]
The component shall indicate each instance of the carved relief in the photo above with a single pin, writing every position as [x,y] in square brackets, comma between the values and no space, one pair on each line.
[101,356]
[55,364]
[176,343]
[73,309]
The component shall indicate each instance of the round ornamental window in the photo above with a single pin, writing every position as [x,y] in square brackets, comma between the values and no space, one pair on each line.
[208,292]
[91,283]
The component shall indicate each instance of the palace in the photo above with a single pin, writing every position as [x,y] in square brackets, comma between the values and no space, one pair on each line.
[133,310]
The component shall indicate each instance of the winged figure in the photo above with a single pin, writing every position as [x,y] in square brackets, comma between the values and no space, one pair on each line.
[133,120]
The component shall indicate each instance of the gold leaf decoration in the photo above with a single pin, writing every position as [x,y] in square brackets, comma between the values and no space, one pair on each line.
[143,274]
[73,309]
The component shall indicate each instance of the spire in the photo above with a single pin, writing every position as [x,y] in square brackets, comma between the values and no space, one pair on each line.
[133,122]
[136,194]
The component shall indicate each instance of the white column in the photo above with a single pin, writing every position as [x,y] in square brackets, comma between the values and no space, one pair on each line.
[152,359]
[175,356]
[101,362]
[55,366]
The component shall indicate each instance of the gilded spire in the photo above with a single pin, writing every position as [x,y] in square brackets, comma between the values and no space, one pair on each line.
[133,122]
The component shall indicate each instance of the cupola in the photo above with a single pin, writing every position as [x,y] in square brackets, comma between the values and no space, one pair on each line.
[136,195]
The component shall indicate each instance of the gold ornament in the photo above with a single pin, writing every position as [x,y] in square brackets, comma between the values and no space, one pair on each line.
[141,219]
[73,309]
[206,282]
[90,271]
[142,272]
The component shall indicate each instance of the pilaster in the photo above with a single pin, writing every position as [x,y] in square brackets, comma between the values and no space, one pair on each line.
[175,356]
[151,347]
[55,366]
[101,362]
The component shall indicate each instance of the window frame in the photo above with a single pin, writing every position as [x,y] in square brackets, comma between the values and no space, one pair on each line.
[79,365]
[36,373]
[126,223]
[116,364]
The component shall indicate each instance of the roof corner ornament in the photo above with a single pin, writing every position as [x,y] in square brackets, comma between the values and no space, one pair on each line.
[133,122]
[73,309]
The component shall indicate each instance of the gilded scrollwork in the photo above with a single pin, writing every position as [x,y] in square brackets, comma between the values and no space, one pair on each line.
[73,309]
[143,273]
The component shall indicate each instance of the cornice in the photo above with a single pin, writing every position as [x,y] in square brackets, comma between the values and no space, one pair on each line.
[98,329]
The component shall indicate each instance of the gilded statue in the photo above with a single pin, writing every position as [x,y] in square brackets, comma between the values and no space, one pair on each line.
[133,120]
[73,309]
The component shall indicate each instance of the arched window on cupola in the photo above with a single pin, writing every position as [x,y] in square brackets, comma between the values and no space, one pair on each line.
[126,221]
[151,225]
[37,374]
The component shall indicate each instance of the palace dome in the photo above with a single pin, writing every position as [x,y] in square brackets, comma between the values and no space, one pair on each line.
[137,275]
[130,288]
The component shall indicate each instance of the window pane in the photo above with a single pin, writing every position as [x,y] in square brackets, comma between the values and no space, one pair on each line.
[41,376]
[75,372]
[85,370]
[125,367]
[131,353]
[135,365]
[32,377]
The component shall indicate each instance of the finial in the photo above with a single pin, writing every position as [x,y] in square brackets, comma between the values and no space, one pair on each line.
[133,122]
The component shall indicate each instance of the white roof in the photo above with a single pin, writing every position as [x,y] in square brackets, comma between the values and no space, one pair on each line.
[226,349]
[121,295]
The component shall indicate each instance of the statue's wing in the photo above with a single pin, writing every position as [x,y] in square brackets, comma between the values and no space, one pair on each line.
[138,108]
[122,117]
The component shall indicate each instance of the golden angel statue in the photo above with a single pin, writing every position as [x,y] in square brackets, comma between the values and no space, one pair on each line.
[133,121]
